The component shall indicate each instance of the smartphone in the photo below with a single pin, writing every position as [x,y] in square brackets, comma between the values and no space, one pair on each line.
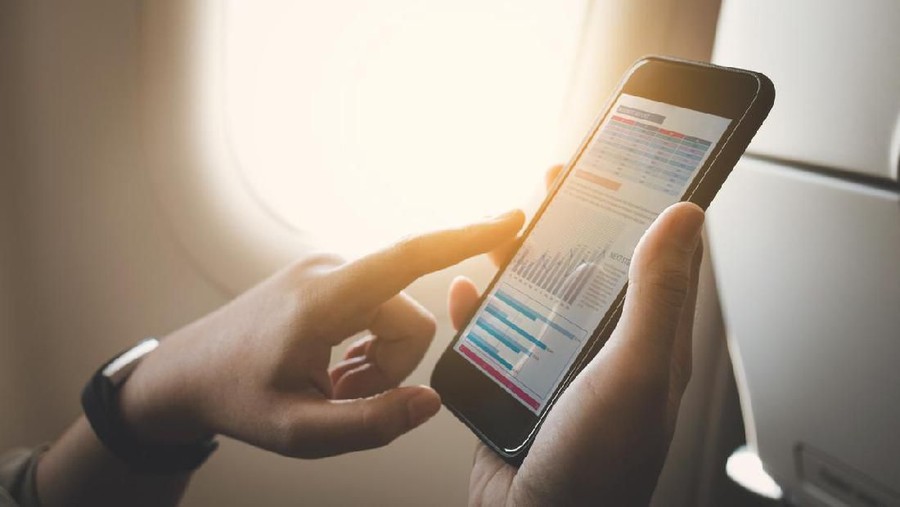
[672,131]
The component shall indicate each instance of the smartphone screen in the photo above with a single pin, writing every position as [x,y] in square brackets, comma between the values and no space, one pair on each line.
[553,294]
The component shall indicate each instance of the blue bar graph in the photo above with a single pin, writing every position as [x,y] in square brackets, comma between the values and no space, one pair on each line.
[531,314]
[496,312]
[524,310]
[489,350]
[496,333]
[502,317]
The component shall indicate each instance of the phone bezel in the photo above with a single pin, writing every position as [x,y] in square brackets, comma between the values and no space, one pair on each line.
[745,97]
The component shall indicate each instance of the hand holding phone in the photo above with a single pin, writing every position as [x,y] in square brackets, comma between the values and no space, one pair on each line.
[671,132]
[605,441]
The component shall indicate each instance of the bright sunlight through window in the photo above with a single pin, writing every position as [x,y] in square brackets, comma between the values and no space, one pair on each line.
[361,121]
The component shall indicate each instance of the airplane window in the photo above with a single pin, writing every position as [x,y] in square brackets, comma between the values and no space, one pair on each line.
[364,120]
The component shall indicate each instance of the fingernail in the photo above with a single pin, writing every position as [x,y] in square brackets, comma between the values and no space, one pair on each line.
[422,407]
[687,230]
[505,216]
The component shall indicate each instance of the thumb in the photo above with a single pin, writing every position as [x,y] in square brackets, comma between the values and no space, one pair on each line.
[659,279]
[579,437]
[331,427]
[462,301]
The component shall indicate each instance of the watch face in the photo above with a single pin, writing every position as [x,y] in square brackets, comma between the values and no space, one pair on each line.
[121,367]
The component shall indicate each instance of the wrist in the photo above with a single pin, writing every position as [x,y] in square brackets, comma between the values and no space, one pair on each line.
[158,403]
[147,436]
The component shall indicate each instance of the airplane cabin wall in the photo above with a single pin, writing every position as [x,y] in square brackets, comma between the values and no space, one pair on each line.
[9,427]
[91,267]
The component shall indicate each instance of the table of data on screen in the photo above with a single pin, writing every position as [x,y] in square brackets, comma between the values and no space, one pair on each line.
[644,153]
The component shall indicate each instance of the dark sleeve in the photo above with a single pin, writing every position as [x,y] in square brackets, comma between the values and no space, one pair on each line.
[18,469]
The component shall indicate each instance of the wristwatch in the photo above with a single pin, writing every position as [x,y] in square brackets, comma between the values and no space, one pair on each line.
[100,401]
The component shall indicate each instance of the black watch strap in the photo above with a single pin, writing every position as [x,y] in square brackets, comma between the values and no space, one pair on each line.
[99,400]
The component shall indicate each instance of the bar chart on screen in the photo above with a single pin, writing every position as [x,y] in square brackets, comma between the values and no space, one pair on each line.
[562,274]
[517,333]
[560,260]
